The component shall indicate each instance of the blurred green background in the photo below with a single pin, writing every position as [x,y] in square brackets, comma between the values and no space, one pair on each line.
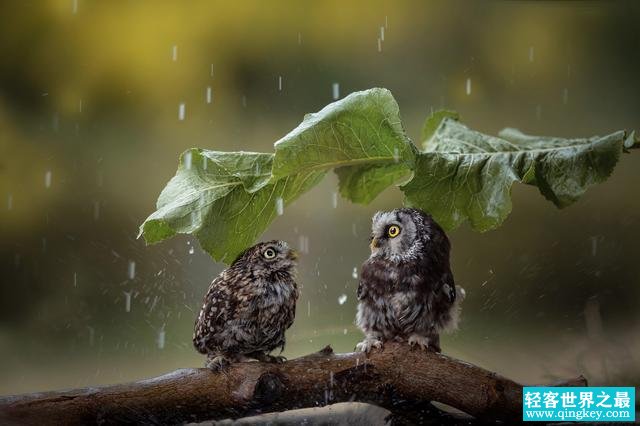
[90,133]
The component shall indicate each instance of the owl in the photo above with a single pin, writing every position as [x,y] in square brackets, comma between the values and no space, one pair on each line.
[406,291]
[248,307]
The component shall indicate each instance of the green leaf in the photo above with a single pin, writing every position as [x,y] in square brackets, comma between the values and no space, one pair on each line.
[432,123]
[466,175]
[361,184]
[364,128]
[226,199]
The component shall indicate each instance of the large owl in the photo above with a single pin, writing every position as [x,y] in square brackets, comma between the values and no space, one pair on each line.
[248,307]
[406,291]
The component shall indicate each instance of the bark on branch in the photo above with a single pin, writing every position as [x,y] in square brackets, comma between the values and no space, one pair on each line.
[396,378]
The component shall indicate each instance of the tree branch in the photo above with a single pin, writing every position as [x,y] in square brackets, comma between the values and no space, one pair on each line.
[396,378]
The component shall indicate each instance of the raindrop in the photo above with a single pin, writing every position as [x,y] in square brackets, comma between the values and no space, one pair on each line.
[131,271]
[396,154]
[336,90]
[174,53]
[539,112]
[344,331]
[75,279]
[334,200]
[160,339]
[244,101]
[191,250]
[354,230]
[382,33]
[9,202]
[188,156]
[594,245]
[468,89]
[379,45]
[209,95]
[204,163]
[308,308]
[74,7]
[354,274]
[531,54]
[127,301]
[342,299]
[565,96]
[300,38]
[303,244]
[80,106]
[280,83]
[47,179]
[181,111]
[280,206]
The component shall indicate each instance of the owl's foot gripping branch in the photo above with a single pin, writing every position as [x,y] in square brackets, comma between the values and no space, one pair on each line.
[403,380]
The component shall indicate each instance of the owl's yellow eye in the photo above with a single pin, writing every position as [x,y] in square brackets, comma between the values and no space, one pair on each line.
[393,231]
[269,253]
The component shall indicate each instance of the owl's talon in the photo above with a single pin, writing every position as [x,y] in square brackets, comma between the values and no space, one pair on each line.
[367,344]
[416,341]
[273,359]
[217,363]
[278,359]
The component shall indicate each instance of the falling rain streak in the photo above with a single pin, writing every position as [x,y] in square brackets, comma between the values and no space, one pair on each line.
[334,200]
[9,202]
[280,83]
[209,95]
[174,53]
[160,339]
[47,179]
[280,206]
[181,111]
[468,88]
[303,244]
[127,301]
[342,299]
[336,91]
[131,271]
[187,158]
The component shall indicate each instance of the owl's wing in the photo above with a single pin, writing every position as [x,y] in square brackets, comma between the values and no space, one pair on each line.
[225,303]
[448,286]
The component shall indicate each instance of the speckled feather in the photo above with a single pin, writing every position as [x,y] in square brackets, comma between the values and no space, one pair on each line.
[249,306]
[406,286]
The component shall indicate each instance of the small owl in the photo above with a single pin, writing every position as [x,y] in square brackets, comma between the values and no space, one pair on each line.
[406,291]
[248,307]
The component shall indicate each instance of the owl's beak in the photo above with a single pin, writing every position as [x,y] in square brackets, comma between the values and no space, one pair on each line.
[374,243]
